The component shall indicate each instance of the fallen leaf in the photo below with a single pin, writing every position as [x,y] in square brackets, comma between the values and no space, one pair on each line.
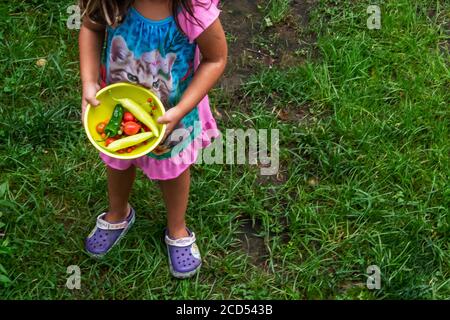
[313,182]
[268,22]
[41,62]
[283,115]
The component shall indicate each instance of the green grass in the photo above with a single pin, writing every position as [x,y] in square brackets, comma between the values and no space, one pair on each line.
[276,11]
[376,142]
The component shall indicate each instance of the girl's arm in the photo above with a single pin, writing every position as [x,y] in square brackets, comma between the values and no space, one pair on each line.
[213,46]
[90,43]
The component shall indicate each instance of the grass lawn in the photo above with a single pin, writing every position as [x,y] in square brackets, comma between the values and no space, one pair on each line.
[364,152]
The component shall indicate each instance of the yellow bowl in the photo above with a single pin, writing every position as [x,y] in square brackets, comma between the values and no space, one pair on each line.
[95,115]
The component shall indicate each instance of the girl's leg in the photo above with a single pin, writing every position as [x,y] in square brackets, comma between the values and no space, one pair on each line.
[120,183]
[176,193]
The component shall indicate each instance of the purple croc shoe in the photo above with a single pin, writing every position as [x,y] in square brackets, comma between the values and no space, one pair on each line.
[106,235]
[184,256]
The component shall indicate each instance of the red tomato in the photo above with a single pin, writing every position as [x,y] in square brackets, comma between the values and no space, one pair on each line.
[131,128]
[109,140]
[129,150]
[121,151]
[100,127]
[128,116]
[103,135]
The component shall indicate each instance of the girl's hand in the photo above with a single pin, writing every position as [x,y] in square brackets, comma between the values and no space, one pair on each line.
[89,92]
[171,119]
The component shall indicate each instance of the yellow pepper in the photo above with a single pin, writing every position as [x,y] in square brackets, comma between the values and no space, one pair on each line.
[129,141]
[140,113]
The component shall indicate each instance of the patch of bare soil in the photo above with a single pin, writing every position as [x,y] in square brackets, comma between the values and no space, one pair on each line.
[252,45]
[252,244]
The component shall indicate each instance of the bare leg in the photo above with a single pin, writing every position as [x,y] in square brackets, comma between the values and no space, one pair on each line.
[176,194]
[120,183]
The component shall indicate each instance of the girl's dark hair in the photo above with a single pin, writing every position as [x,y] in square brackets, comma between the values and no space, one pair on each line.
[112,12]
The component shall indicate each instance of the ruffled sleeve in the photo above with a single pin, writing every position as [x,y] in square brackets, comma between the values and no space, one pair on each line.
[205,12]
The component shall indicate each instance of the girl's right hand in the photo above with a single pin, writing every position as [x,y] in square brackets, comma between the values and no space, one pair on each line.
[89,92]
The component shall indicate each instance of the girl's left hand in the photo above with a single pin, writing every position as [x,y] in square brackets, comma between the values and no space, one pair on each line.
[171,119]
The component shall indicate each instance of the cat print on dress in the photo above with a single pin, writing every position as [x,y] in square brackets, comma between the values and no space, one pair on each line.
[151,70]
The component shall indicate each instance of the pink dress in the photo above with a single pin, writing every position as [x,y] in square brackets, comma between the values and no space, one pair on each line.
[157,55]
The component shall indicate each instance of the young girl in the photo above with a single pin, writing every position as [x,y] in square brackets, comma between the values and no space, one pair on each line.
[156,44]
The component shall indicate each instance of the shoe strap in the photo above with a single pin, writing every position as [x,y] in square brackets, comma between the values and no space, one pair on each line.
[181,242]
[105,225]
